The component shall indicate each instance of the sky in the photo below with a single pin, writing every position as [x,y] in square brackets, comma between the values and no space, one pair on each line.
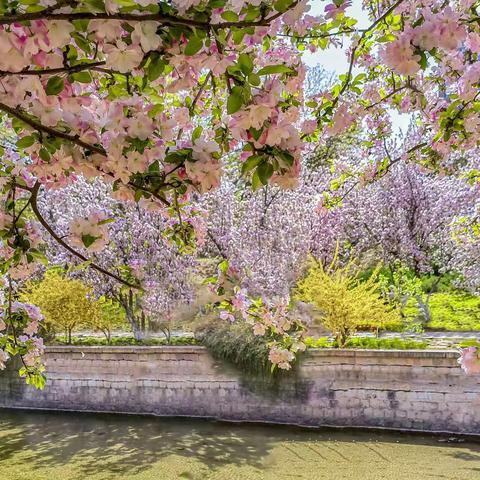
[335,59]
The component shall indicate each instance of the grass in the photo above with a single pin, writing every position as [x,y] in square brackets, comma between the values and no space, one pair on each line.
[450,312]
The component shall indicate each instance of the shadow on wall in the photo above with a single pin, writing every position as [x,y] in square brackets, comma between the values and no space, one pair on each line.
[129,445]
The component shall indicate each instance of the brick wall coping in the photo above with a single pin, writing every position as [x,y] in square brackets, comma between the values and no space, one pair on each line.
[327,352]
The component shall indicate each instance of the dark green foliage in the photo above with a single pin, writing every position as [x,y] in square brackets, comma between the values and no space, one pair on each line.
[236,344]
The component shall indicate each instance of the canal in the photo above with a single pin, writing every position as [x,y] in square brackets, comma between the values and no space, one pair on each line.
[70,446]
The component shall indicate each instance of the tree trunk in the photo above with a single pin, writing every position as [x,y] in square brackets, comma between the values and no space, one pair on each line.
[424,309]
[341,338]
[138,331]
[167,334]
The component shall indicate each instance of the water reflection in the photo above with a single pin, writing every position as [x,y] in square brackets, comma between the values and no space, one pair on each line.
[68,446]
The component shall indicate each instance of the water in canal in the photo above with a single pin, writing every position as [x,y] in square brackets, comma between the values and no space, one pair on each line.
[61,446]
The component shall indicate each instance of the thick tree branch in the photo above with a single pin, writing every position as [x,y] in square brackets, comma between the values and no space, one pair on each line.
[17,113]
[33,202]
[53,71]
[134,17]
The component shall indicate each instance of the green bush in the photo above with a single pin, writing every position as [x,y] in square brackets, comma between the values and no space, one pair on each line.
[66,303]
[343,301]
[369,343]
[125,341]
[471,342]
[385,343]
[393,325]
[235,343]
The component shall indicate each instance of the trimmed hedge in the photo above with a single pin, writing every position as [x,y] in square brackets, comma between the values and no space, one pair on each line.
[124,341]
[370,343]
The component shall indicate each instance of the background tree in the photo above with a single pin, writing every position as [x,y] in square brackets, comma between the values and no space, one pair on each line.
[138,249]
[66,303]
[343,301]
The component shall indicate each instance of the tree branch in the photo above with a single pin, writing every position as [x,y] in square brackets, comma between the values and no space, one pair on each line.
[347,81]
[170,20]
[52,71]
[17,113]
[33,202]
[387,168]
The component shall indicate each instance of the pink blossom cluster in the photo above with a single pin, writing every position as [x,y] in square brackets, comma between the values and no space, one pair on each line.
[269,319]
[469,360]
[90,232]
[26,317]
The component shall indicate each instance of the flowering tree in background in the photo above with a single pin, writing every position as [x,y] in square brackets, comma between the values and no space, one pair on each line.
[466,254]
[405,220]
[268,235]
[135,249]
[407,216]
[150,95]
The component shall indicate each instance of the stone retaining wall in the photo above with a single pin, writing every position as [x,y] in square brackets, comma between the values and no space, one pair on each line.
[421,390]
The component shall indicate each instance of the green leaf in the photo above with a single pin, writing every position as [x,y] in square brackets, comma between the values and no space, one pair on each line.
[106,221]
[44,155]
[238,35]
[223,266]
[82,77]
[230,16]
[423,59]
[389,37]
[255,133]
[196,133]
[55,85]
[250,163]
[234,103]
[282,5]
[272,69]
[246,63]
[82,43]
[88,240]
[264,171]
[256,182]
[193,46]
[26,142]
[286,157]
[254,79]
[156,67]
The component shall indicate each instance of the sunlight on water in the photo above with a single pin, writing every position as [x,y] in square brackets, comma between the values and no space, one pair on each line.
[53,446]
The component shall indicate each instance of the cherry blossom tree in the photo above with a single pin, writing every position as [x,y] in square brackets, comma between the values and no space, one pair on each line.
[151,95]
[135,247]
[268,235]
[465,258]
[407,216]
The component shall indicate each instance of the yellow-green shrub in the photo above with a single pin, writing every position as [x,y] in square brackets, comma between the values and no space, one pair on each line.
[66,303]
[343,301]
